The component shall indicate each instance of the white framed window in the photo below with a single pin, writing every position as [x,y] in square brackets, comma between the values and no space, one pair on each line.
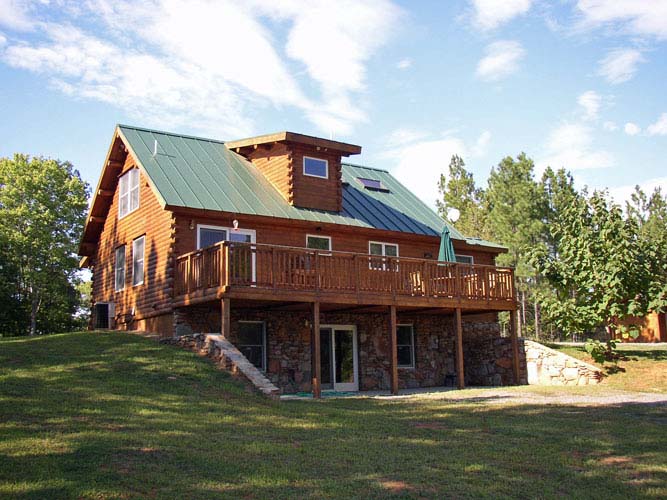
[128,199]
[464,259]
[251,342]
[138,250]
[119,267]
[405,346]
[382,250]
[315,167]
[210,235]
[316,242]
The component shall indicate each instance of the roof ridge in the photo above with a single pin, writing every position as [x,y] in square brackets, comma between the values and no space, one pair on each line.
[364,166]
[173,134]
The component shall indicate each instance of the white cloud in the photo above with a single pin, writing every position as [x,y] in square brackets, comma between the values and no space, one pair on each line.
[620,65]
[502,59]
[570,146]
[659,127]
[14,15]
[621,194]
[490,14]
[635,17]
[419,164]
[631,128]
[610,126]
[591,102]
[420,158]
[404,63]
[482,143]
[212,65]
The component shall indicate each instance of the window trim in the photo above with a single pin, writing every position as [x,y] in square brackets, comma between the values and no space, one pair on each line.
[326,167]
[412,345]
[472,259]
[143,260]
[265,361]
[116,269]
[323,237]
[129,192]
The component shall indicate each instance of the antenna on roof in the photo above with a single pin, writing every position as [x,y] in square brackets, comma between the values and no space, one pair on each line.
[154,148]
[331,135]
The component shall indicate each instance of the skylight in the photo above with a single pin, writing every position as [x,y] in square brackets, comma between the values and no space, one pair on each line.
[372,184]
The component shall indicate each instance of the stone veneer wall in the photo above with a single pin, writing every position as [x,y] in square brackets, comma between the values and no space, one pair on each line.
[487,357]
[546,366]
[288,339]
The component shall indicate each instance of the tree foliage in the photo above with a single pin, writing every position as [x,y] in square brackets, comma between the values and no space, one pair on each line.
[42,211]
[580,259]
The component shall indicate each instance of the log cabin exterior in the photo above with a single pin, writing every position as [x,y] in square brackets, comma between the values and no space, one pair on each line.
[323,273]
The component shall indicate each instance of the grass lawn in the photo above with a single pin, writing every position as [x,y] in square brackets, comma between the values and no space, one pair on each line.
[110,415]
[643,367]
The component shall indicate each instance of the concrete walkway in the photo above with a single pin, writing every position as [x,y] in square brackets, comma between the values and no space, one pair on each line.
[523,395]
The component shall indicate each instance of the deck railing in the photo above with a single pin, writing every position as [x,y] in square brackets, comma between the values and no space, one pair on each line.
[290,268]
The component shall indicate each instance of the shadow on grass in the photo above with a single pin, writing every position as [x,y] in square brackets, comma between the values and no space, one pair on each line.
[124,417]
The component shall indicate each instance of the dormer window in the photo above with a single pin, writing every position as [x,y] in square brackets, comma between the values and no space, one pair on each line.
[128,200]
[315,167]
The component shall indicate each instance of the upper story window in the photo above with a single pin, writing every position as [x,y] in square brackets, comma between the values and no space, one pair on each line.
[128,200]
[381,250]
[210,235]
[138,248]
[119,274]
[315,167]
[318,242]
[464,259]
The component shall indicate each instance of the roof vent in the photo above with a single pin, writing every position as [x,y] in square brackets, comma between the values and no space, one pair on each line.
[372,184]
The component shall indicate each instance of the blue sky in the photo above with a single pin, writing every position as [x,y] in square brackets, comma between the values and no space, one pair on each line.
[577,84]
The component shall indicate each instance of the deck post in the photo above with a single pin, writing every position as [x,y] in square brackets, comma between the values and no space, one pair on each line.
[315,352]
[460,377]
[515,346]
[225,317]
[393,348]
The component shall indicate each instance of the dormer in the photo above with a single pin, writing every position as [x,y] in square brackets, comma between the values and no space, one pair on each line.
[305,170]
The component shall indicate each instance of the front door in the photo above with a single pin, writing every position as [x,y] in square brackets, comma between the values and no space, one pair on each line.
[338,346]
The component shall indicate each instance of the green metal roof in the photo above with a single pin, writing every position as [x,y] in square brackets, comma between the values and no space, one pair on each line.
[202,173]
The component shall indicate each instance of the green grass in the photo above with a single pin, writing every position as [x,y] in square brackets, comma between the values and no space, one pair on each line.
[642,367]
[110,415]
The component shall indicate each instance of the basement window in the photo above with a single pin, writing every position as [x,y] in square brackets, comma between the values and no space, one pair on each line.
[128,200]
[372,184]
[315,167]
[252,342]
[405,346]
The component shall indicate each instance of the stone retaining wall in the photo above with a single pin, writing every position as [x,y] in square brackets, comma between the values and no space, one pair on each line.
[225,355]
[546,366]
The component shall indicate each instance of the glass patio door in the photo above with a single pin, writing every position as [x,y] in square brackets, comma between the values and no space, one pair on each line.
[338,351]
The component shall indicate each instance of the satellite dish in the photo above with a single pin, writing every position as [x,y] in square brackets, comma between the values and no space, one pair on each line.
[453,214]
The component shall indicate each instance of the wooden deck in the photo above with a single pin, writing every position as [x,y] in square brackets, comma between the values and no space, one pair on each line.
[278,273]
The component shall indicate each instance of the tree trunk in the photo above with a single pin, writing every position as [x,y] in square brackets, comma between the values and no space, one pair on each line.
[538,330]
[36,301]
[523,310]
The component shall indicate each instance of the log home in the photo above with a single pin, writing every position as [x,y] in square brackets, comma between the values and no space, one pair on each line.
[324,274]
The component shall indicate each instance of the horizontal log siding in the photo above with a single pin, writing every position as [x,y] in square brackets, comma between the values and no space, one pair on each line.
[280,232]
[313,192]
[154,296]
[275,164]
